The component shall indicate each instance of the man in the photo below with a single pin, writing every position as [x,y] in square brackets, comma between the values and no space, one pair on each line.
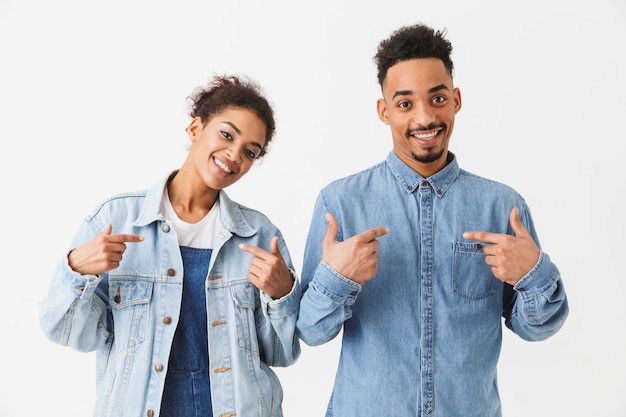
[445,255]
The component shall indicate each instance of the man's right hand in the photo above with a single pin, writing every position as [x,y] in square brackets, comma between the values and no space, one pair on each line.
[102,253]
[354,258]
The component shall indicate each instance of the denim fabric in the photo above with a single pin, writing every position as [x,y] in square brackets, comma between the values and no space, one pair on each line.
[128,315]
[187,386]
[423,337]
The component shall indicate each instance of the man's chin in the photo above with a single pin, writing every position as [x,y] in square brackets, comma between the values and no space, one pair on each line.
[428,157]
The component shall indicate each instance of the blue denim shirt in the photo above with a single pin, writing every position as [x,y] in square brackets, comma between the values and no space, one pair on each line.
[128,315]
[422,338]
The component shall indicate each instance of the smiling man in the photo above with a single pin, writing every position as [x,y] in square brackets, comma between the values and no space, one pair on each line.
[419,261]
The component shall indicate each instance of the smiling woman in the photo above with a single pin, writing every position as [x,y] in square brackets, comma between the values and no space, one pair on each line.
[188,276]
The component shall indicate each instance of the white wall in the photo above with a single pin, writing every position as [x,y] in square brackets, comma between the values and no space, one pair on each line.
[92,102]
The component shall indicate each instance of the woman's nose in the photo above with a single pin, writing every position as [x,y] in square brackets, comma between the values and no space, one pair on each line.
[234,153]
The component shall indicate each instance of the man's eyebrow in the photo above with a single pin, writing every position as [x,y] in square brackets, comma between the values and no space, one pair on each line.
[438,88]
[430,91]
[402,93]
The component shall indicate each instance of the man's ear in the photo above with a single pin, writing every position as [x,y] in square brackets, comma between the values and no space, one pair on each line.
[381,108]
[457,100]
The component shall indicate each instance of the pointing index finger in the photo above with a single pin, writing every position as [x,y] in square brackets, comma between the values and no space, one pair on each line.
[374,233]
[126,238]
[254,250]
[483,236]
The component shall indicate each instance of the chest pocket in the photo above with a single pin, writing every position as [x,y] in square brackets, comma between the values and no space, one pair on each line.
[129,301]
[471,276]
[247,314]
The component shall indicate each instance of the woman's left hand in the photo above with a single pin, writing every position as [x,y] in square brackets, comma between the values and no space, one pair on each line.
[268,270]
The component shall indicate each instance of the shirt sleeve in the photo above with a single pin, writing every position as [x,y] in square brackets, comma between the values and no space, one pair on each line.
[539,306]
[327,295]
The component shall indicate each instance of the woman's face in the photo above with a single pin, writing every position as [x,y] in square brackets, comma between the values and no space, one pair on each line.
[224,149]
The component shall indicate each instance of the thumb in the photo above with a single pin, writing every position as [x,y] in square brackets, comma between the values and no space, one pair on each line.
[516,224]
[331,232]
[107,230]
[274,247]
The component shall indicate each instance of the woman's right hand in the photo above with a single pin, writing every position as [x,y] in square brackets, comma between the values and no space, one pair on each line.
[102,253]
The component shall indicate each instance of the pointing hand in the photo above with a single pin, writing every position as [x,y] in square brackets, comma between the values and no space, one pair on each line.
[268,270]
[102,253]
[354,258]
[510,257]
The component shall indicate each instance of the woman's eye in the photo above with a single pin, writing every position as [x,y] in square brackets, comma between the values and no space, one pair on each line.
[251,154]
[226,135]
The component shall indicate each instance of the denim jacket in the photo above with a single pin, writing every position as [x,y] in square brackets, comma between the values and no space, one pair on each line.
[422,338]
[128,315]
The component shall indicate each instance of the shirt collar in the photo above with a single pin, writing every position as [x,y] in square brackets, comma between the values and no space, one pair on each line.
[231,215]
[411,180]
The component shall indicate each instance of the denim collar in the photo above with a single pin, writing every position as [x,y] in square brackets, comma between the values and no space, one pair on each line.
[410,180]
[231,215]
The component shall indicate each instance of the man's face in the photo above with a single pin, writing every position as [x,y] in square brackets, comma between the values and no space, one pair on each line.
[419,104]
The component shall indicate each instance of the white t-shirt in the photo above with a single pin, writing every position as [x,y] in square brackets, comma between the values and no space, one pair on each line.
[195,235]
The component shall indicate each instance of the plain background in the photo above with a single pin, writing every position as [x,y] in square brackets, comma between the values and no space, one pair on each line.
[93,102]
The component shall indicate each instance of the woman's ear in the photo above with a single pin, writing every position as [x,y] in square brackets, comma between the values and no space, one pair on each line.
[194,129]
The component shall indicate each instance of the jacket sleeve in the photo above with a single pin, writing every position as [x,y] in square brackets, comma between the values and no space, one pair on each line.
[277,331]
[74,313]
[537,306]
[327,296]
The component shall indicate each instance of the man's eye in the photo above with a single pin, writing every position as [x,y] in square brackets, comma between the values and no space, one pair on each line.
[404,105]
[439,99]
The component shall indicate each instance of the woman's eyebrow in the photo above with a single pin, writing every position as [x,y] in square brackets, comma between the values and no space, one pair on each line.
[236,129]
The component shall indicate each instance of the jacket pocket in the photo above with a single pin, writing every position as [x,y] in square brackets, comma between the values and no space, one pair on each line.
[471,276]
[247,303]
[129,301]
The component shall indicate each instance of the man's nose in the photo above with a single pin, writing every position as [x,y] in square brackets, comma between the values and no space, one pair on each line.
[423,114]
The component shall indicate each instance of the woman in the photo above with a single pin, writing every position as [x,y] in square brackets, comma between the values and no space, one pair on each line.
[194,296]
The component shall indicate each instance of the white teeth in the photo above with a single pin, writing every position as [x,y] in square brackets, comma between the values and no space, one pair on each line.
[222,166]
[425,136]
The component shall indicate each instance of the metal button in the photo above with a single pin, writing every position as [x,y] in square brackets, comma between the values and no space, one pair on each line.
[165,228]
[158,367]
[167,320]
[171,272]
